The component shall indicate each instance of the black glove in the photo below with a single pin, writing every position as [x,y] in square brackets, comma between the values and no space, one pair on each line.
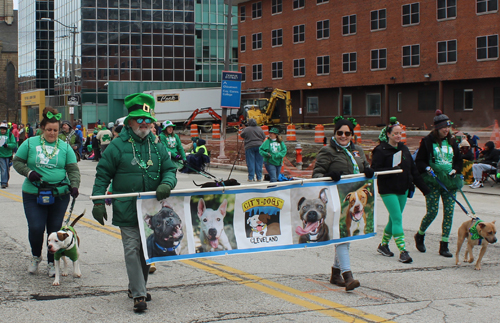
[5,145]
[34,176]
[74,192]
[369,172]
[335,176]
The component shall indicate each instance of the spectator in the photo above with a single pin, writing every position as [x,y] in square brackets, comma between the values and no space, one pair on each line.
[254,137]
[7,146]
[104,137]
[489,158]
[273,150]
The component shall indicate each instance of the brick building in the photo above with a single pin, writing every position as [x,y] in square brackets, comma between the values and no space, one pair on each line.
[9,99]
[373,59]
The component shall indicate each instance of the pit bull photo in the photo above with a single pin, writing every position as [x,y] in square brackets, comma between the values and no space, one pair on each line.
[167,233]
[212,234]
[65,243]
[355,217]
[477,233]
[260,227]
[312,213]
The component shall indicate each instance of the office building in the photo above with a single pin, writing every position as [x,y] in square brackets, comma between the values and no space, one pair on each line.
[8,62]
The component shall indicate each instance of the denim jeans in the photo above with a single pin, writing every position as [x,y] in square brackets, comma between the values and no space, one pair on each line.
[342,260]
[254,163]
[274,172]
[4,170]
[137,270]
[40,217]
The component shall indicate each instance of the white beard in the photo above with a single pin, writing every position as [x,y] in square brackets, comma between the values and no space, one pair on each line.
[141,133]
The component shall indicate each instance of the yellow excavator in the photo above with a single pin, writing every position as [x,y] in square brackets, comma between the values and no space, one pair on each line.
[265,112]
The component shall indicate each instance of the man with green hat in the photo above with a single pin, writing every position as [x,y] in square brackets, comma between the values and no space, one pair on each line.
[135,163]
[172,142]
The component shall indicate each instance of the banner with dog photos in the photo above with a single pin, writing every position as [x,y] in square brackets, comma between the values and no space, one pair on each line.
[214,223]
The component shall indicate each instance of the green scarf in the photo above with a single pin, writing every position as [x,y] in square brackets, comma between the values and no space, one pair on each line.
[348,153]
[473,231]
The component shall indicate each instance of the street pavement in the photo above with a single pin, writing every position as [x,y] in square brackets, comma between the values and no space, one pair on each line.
[279,286]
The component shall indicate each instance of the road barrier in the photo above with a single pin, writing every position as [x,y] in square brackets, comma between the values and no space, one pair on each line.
[290,133]
[216,131]
[266,130]
[357,134]
[403,134]
[194,130]
[495,135]
[319,133]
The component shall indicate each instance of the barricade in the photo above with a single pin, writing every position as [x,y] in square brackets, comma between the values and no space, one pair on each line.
[194,130]
[266,130]
[239,134]
[357,134]
[216,131]
[319,134]
[403,134]
[290,133]
[495,135]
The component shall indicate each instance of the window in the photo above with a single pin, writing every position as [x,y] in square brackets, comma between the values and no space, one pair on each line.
[299,34]
[257,72]
[411,14]
[323,65]
[312,104]
[298,4]
[276,6]
[373,102]
[349,25]
[447,51]
[243,13]
[243,43]
[277,37]
[463,99]
[277,70]
[321,1]
[427,100]
[468,99]
[496,98]
[299,67]
[486,6]
[256,10]
[378,19]
[411,56]
[347,105]
[379,59]
[243,70]
[487,47]
[349,62]
[446,9]
[257,41]
[400,101]
[323,29]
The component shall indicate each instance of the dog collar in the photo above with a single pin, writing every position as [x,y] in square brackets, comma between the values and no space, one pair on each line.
[167,249]
[474,235]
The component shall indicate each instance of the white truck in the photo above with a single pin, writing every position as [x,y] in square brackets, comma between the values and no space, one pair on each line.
[178,105]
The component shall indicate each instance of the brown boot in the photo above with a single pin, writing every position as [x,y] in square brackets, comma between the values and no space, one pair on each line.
[336,278]
[350,283]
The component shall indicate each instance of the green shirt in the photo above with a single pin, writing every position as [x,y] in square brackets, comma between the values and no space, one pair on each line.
[10,140]
[53,170]
[443,157]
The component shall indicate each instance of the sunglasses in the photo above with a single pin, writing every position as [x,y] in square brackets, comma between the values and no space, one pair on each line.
[141,120]
[341,133]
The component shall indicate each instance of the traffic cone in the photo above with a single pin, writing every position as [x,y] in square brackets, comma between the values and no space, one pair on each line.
[319,133]
[403,134]
[357,134]
[290,133]
[194,130]
[239,134]
[266,130]
[495,135]
[216,131]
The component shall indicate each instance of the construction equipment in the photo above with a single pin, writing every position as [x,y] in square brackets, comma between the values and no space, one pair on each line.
[267,113]
[232,120]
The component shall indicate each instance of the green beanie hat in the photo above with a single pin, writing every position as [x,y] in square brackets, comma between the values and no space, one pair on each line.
[139,105]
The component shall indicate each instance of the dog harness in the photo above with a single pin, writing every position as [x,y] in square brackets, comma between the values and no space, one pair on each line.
[167,249]
[71,253]
[473,231]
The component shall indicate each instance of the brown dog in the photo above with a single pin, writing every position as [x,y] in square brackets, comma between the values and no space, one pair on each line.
[313,212]
[355,217]
[486,232]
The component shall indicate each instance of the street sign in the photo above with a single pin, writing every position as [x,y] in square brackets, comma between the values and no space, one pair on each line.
[73,100]
[231,90]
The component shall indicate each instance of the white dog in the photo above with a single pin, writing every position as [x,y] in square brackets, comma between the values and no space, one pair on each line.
[212,227]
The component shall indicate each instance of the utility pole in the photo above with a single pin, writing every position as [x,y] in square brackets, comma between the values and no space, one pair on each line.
[222,154]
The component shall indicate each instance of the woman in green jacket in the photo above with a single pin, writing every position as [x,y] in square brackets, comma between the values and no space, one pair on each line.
[273,150]
[173,143]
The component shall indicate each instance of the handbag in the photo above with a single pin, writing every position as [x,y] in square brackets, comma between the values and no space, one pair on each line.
[45,196]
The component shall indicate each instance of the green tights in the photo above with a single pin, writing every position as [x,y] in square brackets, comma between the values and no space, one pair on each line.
[432,204]
[395,205]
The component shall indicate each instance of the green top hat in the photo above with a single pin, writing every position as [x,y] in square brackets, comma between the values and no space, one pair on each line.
[139,105]
[274,130]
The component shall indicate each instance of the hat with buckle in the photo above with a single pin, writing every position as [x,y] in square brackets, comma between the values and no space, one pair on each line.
[139,105]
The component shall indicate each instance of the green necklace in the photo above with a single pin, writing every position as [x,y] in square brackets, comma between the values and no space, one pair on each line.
[44,149]
[143,165]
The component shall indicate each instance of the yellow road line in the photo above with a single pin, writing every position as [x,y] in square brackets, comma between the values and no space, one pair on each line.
[11,196]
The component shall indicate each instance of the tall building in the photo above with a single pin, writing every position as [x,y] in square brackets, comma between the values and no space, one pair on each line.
[127,46]
[374,59]
[8,62]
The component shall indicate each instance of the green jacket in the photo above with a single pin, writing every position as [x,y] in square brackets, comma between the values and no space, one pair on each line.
[10,140]
[173,144]
[332,158]
[118,165]
[277,151]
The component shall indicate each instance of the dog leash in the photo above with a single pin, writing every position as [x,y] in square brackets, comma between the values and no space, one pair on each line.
[466,200]
[70,211]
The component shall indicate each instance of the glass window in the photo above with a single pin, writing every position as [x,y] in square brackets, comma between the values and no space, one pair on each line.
[298,4]
[487,47]
[446,9]
[349,62]
[411,56]
[276,6]
[486,6]
[447,51]
[257,72]
[256,10]
[299,67]
[277,37]
[349,25]
[347,104]
[312,104]
[277,70]
[243,70]
[373,103]
[379,59]
[257,41]
[378,19]
[243,13]
[323,65]
[299,34]
[468,99]
[323,29]
[411,14]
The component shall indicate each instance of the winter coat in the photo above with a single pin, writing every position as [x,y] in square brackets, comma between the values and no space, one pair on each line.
[118,165]
[273,152]
[401,182]
[332,158]
[71,138]
[253,135]
[491,157]
[173,144]
[426,153]
[10,140]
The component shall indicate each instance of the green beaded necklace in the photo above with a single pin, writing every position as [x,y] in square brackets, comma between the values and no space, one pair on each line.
[141,163]
[44,149]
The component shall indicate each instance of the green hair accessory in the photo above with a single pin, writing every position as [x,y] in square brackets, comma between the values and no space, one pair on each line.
[353,121]
[337,119]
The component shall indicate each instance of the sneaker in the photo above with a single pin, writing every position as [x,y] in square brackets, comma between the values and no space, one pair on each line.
[33,267]
[152,268]
[384,250]
[140,304]
[52,270]
[148,295]
[405,258]
[250,180]
[4,186]
[476,185]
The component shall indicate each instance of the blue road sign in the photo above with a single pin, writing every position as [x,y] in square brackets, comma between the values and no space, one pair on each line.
[231,90]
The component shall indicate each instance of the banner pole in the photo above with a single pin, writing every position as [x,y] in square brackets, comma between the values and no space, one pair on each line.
[228,188]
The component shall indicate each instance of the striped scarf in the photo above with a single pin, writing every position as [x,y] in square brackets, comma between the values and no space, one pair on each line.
[348,153]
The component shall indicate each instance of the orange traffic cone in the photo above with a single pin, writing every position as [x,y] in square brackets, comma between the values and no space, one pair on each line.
[290,133]
[495,135]
[239,134]
[403,134]
[216,131]
[194,130]
[266,130]
[319,133]
[357,134]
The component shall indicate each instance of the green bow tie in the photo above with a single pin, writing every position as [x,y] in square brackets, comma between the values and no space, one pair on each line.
[50,115]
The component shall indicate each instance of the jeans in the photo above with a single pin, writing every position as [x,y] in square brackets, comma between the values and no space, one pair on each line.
[137,270]
[274,172]
[478,169]
[342,260]
[4,170]
[254,163]
[40,217]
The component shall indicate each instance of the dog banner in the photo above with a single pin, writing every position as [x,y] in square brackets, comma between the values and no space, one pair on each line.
[210,223]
